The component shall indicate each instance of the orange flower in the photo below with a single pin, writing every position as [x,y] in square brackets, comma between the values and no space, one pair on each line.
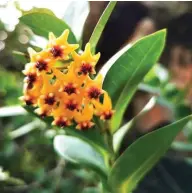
[84,118]
[59,47]
[62,122]
[104,110]
[69,95]
[85,63]
[94,87]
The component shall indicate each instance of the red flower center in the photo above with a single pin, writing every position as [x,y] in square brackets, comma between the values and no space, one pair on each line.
[86,68]
[50,100]
[28,102]
[71,105]
[94,93]
[61,123]
[29,85]
[31,78]
[41,65]
[56,51]
[107,115]
[70,89]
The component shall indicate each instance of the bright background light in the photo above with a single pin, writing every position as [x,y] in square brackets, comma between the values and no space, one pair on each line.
[73,13]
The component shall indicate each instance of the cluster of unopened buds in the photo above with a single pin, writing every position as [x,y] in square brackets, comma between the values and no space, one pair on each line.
[58,83]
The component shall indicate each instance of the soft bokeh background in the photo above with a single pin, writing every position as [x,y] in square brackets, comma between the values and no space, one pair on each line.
[27,159]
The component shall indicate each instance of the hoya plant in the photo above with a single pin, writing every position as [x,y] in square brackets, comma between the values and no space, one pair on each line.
[62,88]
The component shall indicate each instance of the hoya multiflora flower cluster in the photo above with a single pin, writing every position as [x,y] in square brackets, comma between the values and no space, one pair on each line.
[67,94]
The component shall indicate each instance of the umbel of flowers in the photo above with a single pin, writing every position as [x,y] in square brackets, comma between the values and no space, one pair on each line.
[65,92]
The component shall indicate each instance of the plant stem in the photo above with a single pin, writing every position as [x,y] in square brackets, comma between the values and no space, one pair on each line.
[104,188]
[109,141]
[109,160]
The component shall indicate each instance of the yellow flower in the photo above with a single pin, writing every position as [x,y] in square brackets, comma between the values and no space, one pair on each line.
[62,121]
[59,47]
[84,118]
[40,61]
[104,110]
[35,56]
[85,63]
[68,95]
[94,87]
[62,112]
[69,82]
[29,100]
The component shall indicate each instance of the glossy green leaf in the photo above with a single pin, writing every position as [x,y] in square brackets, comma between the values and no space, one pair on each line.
[141,156]
[91,136]
[38,10]
[128,71]
[43,23]
[101,25]
[79,152]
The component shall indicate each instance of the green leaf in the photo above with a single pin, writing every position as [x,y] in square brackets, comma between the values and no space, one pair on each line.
[141,156]
[21,57]
[119,135]
[25,129]
[91,136]
[43,23]
[12,111]
[128,71]
[79,152]
[101,25]
[38,10]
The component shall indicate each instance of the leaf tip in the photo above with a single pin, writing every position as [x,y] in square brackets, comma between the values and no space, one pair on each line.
[163,32]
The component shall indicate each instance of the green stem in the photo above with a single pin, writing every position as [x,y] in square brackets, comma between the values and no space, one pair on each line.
[109,142]
[109,160]
[105,188]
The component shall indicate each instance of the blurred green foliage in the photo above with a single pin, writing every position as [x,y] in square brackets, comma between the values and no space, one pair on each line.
[10,87]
